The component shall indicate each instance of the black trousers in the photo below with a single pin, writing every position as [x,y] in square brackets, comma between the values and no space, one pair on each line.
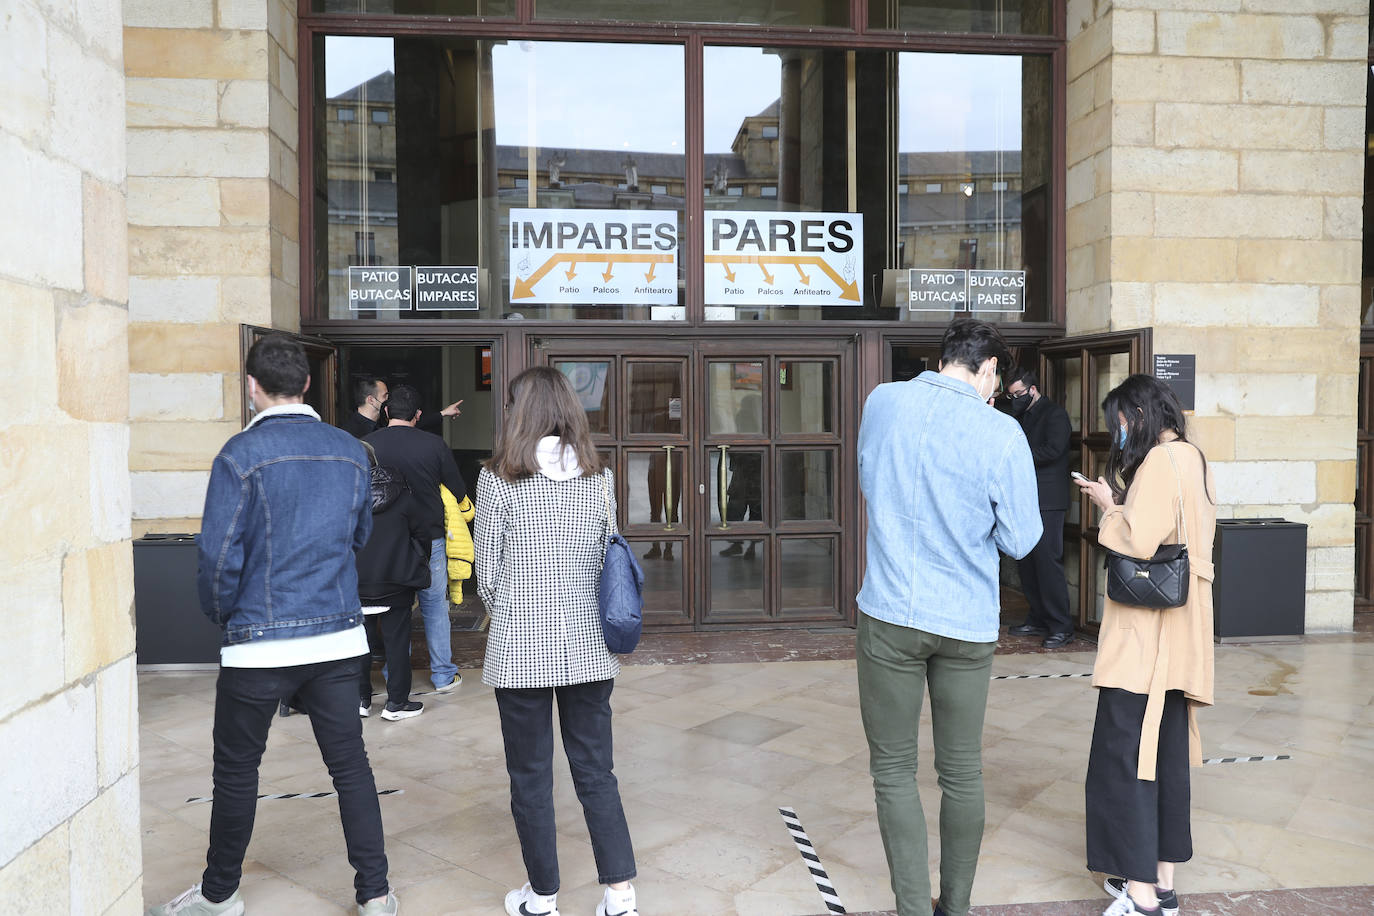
[584,718]
[1042,577]
[388,635]
[245,701]
[1134,824]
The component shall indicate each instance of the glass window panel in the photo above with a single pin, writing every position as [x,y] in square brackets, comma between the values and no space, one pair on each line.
[777,13]
[807,576]
[1069,387]
[738,574]
[475,129]
[1074,515]
[655,395]
[663,564]
[806,484]
[976,128]
[490,8]
[1007,17]
[910,361]
[590,381]
[735,393]
[738,496]
[1110,370]
[654,496]
[806,401]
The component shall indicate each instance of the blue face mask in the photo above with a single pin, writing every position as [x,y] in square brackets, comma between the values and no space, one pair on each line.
[1121,437]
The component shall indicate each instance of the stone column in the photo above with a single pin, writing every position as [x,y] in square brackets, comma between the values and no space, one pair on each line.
[69,829]
[213,228]
[1215,192]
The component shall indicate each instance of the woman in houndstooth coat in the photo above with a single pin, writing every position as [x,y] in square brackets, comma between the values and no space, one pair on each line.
[545,507]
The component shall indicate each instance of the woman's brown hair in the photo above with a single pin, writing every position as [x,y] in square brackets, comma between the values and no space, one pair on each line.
[542,403]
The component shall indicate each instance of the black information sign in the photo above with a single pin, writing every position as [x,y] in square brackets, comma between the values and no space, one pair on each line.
[445,289]
[379,288]
[1179,372]
[996,290]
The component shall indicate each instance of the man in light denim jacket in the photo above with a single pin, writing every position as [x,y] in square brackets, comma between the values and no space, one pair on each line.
[948,482]
[288,505]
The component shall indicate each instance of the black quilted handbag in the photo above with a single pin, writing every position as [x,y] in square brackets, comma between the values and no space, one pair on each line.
[1160,582]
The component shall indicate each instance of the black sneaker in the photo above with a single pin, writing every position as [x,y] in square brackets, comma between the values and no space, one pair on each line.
[393,713]
[1168,900]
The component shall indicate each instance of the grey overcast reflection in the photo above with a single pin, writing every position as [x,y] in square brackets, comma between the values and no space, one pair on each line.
[617,96]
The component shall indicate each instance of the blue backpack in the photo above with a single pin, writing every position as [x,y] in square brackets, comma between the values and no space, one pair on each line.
[621,598]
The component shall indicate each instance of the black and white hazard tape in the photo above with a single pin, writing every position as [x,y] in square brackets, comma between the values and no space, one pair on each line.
[1028,677]
[813,861]
[1212,761]
[281,795]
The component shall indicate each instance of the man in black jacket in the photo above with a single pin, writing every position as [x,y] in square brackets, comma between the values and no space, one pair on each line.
[1047,429]
[369,400]
[426,462]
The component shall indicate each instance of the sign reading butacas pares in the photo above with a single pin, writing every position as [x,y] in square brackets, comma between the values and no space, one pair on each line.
[593,257]
[765,258]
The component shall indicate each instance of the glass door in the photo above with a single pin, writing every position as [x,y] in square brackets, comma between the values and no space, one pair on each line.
[728,466]
[1077,373]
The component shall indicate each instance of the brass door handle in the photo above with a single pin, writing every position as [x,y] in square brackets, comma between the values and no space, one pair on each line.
[668,489]
[722,495]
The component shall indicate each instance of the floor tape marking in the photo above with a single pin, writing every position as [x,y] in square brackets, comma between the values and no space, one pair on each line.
[281,795]
[1027,677]
[1212,761]
[824,885]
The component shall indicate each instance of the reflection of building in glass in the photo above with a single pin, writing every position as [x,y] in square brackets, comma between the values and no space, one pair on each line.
[360,167]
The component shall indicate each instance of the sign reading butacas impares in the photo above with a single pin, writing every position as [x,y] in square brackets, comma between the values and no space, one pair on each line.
[593,257]
[764,257]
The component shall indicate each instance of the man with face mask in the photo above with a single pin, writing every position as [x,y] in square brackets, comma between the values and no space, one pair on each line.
[1047,429]
[948,481]
[369,400]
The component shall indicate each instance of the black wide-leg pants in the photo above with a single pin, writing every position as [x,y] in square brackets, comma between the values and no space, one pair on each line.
[1134,824]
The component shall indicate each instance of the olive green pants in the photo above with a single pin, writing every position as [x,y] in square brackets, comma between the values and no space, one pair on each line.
[896,665]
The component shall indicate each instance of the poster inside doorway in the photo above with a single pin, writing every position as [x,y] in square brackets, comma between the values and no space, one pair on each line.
[769,258]
[593,257]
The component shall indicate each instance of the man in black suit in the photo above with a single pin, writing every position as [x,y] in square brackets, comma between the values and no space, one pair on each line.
[1047,429]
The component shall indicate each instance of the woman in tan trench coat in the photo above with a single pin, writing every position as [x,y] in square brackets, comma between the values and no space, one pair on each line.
[1154,667]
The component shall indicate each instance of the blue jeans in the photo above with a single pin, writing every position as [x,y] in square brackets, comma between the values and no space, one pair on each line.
[245,701]
[584,718]
[434,610]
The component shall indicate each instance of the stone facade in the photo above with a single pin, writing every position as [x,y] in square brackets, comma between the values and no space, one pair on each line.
[213,229]
[69,837]
[1215,190]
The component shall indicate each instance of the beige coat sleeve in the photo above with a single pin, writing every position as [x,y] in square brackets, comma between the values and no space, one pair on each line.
[1149,518]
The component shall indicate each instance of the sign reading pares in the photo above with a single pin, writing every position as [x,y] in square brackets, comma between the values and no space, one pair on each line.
[626,256]
[379,288]
[778,258]
[442,289]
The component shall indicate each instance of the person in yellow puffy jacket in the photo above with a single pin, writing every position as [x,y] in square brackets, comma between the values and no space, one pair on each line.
[457,542]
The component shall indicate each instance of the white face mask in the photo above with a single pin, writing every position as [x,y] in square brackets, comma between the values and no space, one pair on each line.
[979,388]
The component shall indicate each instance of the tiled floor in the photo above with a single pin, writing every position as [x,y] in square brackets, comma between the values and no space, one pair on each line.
[706,753]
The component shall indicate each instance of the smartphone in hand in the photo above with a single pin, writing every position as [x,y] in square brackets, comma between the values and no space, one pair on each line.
[1077,476]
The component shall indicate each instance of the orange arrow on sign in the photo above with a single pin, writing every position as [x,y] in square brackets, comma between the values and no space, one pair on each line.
[572,270]
[649,277]
[848,290]
[524,289]
[768,278]
[806,281]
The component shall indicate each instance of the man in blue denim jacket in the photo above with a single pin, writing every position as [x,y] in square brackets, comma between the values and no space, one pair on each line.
[288,506]
[948,481]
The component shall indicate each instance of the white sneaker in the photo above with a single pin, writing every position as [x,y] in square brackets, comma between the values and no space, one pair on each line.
[451,685]
[1168,899]
[526,902]
[618,903]
[1125,906]
[193,903]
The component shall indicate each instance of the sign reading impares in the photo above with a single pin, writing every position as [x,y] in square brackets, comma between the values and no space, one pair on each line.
[446,289]
[779,258]
[593,257]
[957,290]
[379,288]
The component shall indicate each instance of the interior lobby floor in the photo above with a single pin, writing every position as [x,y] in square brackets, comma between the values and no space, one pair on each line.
[715,732]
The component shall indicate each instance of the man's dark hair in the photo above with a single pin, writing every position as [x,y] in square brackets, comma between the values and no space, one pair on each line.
[363,389]
[403,403]
[969,343]
[279,365]
[1023,374]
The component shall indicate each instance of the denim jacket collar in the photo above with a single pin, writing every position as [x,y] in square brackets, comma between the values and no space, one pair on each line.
[279,410]
[931,377]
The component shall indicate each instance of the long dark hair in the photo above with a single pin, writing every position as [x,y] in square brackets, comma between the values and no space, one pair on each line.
[1150,408]
[542,403]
